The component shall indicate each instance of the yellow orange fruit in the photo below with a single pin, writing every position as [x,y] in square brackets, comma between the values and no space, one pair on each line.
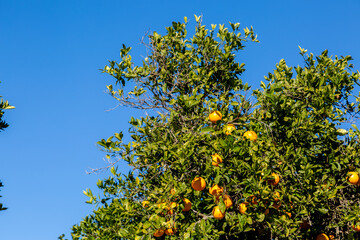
[331,237]
[198,184]
[187,205]
[170,231]
[353,177]
[251,135]
[276,179]
[216,159]
[229,128]
[289,214]
[145,203]
[227,200]
[322,236]
[243,207]
[216,190]
[217,213]
[159,233]
[172,191]
[356,228]
[215,116]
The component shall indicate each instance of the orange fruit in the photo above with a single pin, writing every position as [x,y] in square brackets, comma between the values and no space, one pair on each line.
[216,190]
[159,233]
[170,228]
[187,205]
[227,200]
[251,135]
[331,237]
[289,214]
[353,177]
[215,116]
[322,236]
[356,228]
[216,159]
[242,207]
[172,191]
[145,203]
[229,128]
[198,184]
[275,181]
[217,213]
[170,231]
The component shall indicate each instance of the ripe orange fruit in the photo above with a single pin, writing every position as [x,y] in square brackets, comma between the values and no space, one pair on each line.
[159,233]
[170,231]
[331,237]
[242,207]
[217,213]
[145,203]
[215,116]
[216,159]
[251,135]
[289,214]
[227,200]
[322,236]
[353,177]
[229,128]
[172,191]
[170,228]
[356,228]
[216,190]
[187,205]
[198,184]
[275,181]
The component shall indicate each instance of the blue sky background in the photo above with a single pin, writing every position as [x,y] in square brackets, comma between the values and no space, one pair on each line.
[50,56]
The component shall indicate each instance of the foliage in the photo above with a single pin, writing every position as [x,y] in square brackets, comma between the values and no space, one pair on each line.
[297,115]
[3,106]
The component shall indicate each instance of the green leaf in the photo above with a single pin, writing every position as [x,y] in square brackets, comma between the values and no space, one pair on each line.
[207,129]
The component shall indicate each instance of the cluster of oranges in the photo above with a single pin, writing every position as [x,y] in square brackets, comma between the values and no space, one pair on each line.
[199,184]
[216,116]
[216,159]
[353,178]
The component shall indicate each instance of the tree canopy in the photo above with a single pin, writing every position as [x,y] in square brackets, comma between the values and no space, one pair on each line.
[221,161]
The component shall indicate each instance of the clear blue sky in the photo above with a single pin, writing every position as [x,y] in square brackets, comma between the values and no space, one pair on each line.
[50,53]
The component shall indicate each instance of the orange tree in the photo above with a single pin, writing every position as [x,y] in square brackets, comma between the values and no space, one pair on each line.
[3,106]
[220,162]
